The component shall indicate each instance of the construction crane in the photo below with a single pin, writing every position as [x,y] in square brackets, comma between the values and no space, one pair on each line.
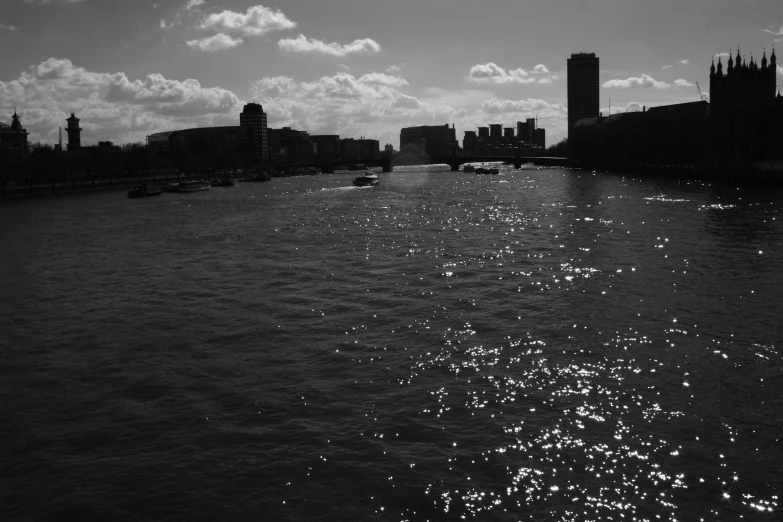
[701,96]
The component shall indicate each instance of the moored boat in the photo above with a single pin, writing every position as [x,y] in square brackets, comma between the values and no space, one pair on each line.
[144,191]
[368,179]
[468,169]
[193,185]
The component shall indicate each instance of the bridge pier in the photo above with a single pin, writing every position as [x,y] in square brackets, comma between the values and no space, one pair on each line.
[386,164]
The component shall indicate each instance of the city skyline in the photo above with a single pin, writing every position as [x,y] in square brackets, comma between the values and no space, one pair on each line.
[130,70]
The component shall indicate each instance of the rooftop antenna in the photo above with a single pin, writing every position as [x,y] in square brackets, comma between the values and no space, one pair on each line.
[61,137]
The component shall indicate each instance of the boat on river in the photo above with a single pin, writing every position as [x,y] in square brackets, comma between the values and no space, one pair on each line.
[468,169]
[368,179]
[144,191]
[193,185]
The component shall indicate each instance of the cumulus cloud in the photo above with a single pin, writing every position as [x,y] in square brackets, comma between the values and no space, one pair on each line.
[631,106]
[256,21]
[682,82]
[666,67]
[110,105]
[530,105]
[8,27]
[370,105]
[192,4]
[641,81]
[683,62]
[775,32]
[780,69]
[302,44]
[216,42]
[394,69]
[722,55]
[492,73]
[383,79]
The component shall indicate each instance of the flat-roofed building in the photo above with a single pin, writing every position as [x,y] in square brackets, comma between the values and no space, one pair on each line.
[434,140]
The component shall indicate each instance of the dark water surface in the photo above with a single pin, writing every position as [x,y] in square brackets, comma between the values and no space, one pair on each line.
[540,345]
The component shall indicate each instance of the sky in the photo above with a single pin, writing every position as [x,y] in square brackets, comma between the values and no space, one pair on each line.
[357,68]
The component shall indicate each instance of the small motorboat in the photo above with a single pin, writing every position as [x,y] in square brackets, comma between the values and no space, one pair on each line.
[493,170]
[144,191]
[368,179]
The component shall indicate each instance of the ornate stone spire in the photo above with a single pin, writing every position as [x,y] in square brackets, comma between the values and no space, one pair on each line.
[712,68]
[720,67]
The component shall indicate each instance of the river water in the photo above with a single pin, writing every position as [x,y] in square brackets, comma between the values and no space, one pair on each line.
[539,345]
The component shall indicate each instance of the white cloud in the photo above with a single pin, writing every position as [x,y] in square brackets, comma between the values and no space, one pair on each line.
[8,27]
[110,105]
[780,69]
[540,69]
[631,106]
[666,67]
[775,32]
[192,4]
[683,62]
[681,82]
[490,72]
[722,55]
[302,44]
[383,79]
[256,21]
[493,73]
[216,42]
[641,81]
[394,69]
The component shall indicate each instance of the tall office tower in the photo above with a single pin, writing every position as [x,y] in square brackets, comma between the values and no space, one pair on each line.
[582,87]
[74,133]
[495,131]
[254,118]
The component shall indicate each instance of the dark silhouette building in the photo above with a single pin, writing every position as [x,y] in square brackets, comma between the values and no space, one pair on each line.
[290,148]
[253,118]
[583,98]
[74,133]
[434,140]
[746,114]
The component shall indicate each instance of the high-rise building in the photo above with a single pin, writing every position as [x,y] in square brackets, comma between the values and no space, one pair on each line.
[583,98]
[74,133]
[253,118]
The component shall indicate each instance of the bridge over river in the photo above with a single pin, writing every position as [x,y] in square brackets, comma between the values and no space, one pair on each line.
[387,163]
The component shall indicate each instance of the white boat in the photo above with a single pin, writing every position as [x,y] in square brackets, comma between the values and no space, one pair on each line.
[368,179]
[193,185]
